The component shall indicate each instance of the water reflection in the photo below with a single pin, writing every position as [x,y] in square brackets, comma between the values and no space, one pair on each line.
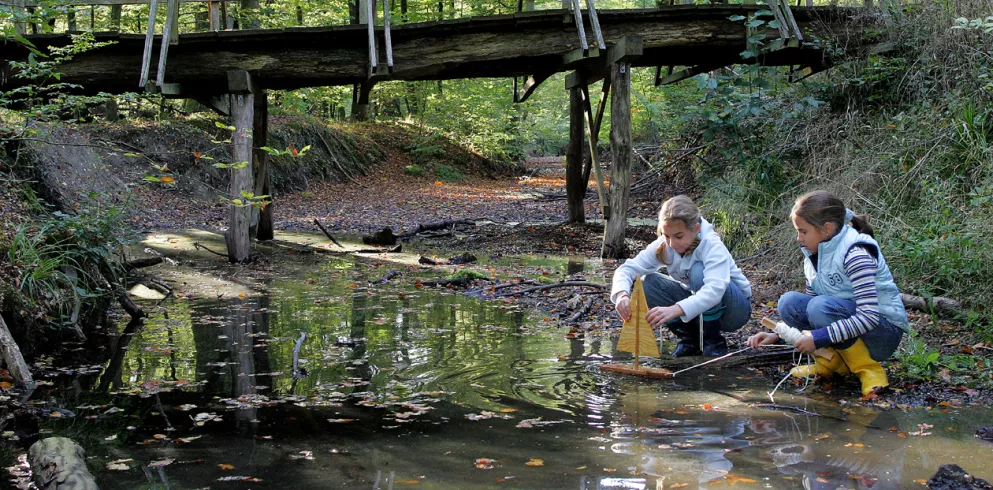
[408,386]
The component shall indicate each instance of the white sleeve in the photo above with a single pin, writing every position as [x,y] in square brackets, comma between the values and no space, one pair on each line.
[643,263]
[716,277]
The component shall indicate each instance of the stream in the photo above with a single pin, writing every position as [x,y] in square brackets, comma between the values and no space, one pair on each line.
[396,386]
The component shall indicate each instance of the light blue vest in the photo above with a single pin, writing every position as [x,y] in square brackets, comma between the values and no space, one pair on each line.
[829,278]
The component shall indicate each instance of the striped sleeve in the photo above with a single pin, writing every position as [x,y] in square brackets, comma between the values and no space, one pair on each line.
[809,291]
[861,269]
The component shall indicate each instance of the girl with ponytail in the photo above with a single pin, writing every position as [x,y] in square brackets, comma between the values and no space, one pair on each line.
[850,314]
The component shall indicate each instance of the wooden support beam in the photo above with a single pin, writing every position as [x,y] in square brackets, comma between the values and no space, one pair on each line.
[575,184]
[627,48]
[621,154]
[260,137]
[690,71]
[146,58]
[171,13]
[219,104]
[530,85]
[239,217]
[593,129]
[214,15]
[242,82]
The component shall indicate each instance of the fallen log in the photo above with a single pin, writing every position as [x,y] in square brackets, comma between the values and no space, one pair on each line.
[466,258]
[381,237]
[477,292]
[58,463]
[932,304]
[141,263]
[319,225]
[461,281]
[437,225]
[551,286]
[12,356]
[105,278]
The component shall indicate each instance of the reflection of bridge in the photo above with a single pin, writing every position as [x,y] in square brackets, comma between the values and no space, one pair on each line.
[208,66]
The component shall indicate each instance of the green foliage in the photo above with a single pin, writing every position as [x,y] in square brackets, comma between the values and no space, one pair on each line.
[413,170]
[918,360]
[468,274]
[446,173]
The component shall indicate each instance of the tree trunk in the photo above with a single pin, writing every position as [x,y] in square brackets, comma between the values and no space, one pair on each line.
[575,185]
[11,353]
[242,109]
[260,137]
[403,11]
[620,171]
[58,463]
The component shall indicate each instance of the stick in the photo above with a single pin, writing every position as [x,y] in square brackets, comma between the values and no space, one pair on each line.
[502,286]
[725,356]
[198,246]
[550,286]
[319,225]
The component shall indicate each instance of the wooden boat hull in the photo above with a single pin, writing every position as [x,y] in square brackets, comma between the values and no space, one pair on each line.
[648,372]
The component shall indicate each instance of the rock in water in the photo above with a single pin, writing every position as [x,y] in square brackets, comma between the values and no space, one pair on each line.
[58,463]
[985,433]
[953,477]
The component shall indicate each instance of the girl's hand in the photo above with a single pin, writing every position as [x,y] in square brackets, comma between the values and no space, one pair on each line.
[762,338]
[805,344]
[623,308]
[661,315]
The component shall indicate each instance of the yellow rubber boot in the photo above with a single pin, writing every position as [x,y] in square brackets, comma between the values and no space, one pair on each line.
[870,373]
[823,366]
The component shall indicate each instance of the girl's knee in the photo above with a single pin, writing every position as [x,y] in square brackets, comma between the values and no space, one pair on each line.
[790,303]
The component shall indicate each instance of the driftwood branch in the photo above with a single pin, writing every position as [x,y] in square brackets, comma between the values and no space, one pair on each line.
[477,292]
[326,232]
[551,286]
[936,304]
[395,250]
[12,356]
[106,278]
[437,225]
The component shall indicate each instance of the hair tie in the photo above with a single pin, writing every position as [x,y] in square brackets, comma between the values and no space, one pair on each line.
[849,215]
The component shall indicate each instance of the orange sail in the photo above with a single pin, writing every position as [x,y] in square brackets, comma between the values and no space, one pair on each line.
[637,336]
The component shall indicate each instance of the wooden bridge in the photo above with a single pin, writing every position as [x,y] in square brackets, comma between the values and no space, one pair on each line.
[231,70]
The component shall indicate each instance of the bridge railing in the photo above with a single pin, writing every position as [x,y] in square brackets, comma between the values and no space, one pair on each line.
[214,15]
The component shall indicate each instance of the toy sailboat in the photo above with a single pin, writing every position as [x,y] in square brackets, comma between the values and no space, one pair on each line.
[637,338]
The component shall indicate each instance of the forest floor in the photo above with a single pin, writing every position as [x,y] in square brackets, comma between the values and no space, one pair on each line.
[525,215]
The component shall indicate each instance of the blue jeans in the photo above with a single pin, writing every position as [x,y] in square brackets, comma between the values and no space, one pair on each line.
[805,312]
[662,290]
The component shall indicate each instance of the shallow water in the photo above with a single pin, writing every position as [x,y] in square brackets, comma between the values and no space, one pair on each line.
[399,387]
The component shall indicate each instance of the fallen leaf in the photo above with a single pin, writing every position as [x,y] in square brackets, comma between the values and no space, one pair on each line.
[581,468]
[535,462]
[485,463]
[407,482]
[821,437]
[225,466]
[680,485]
[610,470]
[163,462]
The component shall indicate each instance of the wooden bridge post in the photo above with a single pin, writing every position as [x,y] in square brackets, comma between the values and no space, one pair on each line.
[242,91]
[260,137]
[621,152]
[214,15]
[575,184]
[71,20]
[115,18]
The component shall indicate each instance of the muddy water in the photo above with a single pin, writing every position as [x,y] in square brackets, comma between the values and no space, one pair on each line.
[398,387]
